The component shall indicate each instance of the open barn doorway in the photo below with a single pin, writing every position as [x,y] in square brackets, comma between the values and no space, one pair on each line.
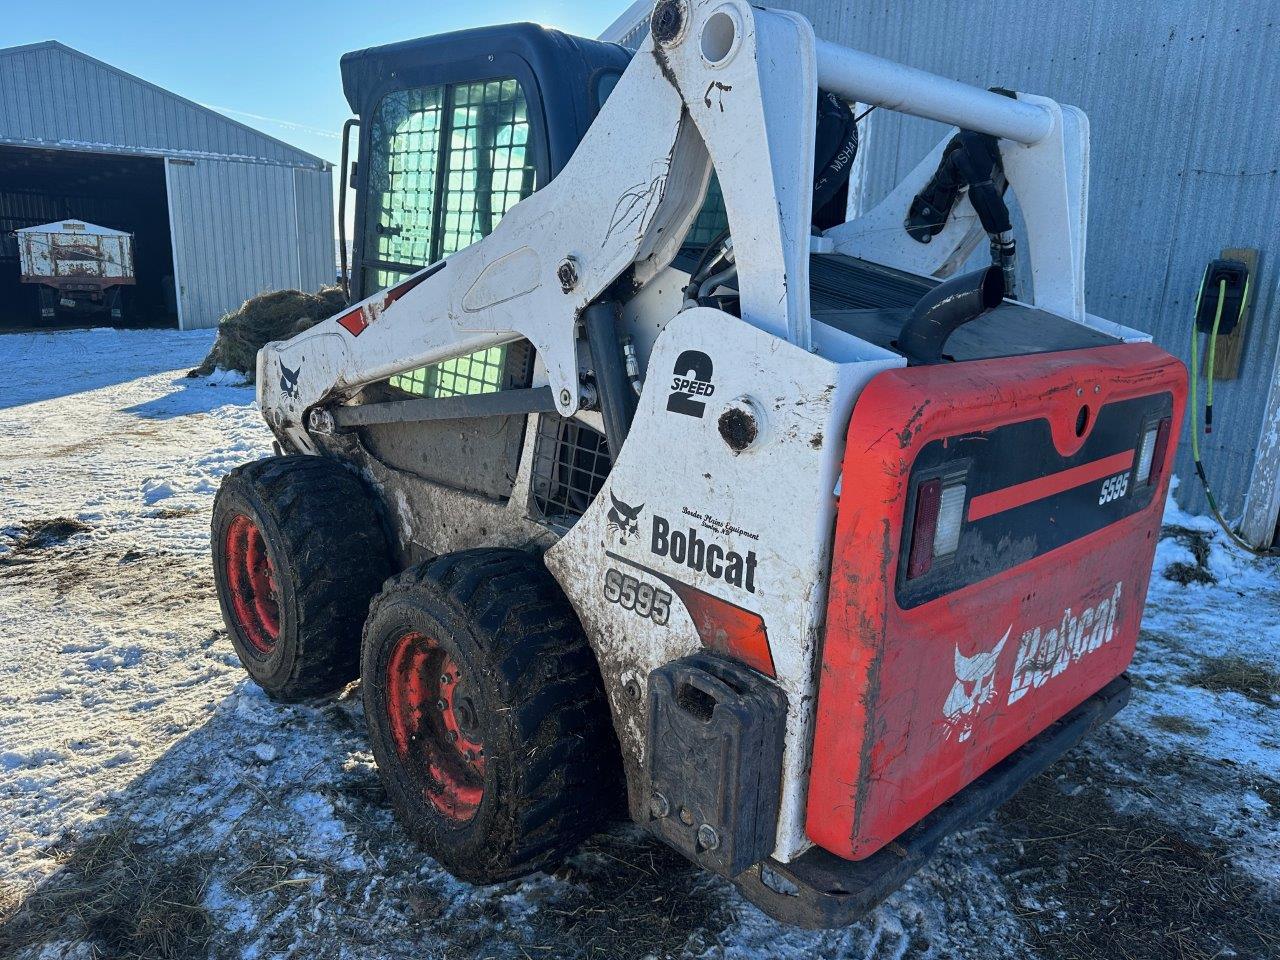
[127,193]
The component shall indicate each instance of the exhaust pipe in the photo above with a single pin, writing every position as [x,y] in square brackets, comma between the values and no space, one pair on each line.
[946,308]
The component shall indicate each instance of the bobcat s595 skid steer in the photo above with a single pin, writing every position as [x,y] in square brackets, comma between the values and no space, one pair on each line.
[638,472]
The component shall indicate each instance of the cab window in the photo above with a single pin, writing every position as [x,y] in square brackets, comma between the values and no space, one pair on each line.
[446,163]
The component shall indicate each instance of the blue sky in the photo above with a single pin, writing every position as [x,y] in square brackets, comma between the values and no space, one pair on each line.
[270,64]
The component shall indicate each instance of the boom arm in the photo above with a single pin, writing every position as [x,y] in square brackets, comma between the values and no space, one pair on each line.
[717,83]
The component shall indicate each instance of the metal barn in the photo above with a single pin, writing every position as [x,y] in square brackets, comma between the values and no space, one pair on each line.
[1184,149]
[219,211]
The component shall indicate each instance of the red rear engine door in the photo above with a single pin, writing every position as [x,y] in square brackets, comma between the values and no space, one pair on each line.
[993,546]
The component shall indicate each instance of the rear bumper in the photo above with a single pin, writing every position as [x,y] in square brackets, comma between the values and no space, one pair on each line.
[820,890]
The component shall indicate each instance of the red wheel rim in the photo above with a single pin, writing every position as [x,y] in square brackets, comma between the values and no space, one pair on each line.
[251,579]
[434,723]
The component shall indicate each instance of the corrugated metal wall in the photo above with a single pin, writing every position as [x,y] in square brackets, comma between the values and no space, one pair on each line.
[314,193]
[1185,162]
[248,213]
[234,234]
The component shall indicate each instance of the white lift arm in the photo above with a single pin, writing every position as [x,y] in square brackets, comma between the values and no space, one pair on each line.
[718,82]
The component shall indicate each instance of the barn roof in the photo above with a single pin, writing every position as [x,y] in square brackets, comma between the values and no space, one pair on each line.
[54,96]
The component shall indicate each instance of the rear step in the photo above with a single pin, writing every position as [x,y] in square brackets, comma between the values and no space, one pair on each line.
[820,890]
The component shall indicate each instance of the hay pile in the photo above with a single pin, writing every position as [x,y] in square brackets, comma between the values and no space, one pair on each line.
[121,897]
[1232,674]
[1087,880]
[270,316]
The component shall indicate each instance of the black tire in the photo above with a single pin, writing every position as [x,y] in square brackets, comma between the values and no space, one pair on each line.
[526,691]
[326,555]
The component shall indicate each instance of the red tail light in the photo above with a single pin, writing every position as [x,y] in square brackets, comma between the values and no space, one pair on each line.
[1162,447]
[924,527]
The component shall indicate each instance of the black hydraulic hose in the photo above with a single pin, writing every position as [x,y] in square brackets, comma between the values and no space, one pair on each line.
[617,398]
[710,252]
[946,308]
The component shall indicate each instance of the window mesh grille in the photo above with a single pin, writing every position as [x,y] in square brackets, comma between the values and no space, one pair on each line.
[479,372]
[570,464]
[489,169]
[379,279]
[402,180]
[471,140]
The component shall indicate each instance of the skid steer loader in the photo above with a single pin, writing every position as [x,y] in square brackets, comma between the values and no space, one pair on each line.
[636,474]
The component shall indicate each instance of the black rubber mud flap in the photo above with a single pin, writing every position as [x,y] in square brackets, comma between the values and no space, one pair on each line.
[715,760]
[819,890]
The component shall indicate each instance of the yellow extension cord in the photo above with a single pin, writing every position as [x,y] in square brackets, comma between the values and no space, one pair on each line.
[1195,402]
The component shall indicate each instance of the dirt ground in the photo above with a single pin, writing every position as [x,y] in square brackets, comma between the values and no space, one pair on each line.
[154,804]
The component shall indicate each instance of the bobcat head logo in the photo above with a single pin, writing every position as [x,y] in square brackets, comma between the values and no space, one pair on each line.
[289,382]
[974,687]
[622,519]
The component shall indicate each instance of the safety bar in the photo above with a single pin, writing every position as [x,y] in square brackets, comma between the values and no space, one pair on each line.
[866,78]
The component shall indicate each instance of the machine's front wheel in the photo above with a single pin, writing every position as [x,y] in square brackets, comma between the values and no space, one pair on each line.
[487,715]
[298,552]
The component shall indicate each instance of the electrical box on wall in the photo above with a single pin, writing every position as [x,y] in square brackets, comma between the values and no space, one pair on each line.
[1234,274]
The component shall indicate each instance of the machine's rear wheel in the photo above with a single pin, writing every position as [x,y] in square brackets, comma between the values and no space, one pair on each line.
[487,715]
[298,552]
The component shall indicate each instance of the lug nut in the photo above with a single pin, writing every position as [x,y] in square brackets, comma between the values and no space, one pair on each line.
[707,837]
[453,736]
[686,817]
[444,679]
[441,705]
[658,806]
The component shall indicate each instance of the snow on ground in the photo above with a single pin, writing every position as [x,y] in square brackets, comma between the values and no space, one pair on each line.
[154,803]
